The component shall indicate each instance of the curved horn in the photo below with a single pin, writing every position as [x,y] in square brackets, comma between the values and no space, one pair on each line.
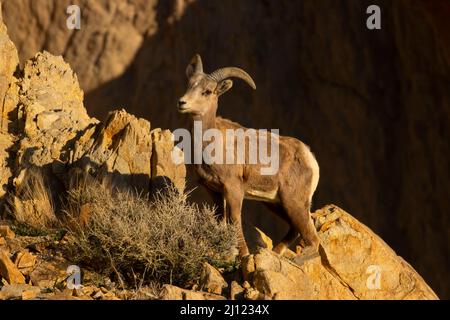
[224,73]
[196,62]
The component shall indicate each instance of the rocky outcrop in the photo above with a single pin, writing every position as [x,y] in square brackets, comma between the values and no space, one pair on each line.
[56,132]
[9,62]
[46,126]
[354,263]
[9,271]
[51,112]
[8,65]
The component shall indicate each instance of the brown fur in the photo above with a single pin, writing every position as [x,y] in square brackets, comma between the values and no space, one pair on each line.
[288,192]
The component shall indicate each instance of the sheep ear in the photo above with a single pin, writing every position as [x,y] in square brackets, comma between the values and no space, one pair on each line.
[224,86]
[189,71]
[195,66]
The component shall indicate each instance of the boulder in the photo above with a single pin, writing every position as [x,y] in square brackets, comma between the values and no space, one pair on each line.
[5,231]
[9,271]
[19,291]
[236,291]
[279,278]
[354,263]
[25,262]
[170,292]
[364,261]
[211,280]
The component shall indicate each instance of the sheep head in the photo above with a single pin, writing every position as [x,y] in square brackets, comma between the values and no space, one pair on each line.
[204,89]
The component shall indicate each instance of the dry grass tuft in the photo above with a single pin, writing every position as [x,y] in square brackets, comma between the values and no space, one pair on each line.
[141,240]
[32,204]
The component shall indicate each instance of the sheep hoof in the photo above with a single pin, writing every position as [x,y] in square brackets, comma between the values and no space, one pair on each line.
[303,257]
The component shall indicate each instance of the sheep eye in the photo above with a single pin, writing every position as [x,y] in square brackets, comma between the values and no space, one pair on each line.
[207,93]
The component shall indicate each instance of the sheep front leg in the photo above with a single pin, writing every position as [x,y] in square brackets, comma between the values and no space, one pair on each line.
[234,197]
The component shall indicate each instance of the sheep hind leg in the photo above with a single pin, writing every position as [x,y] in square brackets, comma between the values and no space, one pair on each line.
[301,220]
[292,233]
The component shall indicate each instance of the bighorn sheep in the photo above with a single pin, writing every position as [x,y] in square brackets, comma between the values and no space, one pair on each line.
[288,192]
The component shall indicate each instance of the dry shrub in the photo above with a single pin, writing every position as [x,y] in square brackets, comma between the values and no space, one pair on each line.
[32,204]
[166,238]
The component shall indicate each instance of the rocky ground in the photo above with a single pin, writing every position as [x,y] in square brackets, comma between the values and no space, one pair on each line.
[352,260]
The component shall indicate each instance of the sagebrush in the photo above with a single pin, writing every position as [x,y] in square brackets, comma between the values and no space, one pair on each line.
[164,238]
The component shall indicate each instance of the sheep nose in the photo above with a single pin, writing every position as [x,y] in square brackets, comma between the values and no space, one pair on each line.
[181,102]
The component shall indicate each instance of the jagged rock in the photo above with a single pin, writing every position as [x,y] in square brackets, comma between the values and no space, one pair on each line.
[9,271]
[9,61]
[121,149]
[5,231]
[98,295]
[6,141]
[236,291]
[57,135]
[354,263]
[19,291]
[256,238]
[251,293]
[281,279]
[86,290]
[170,292]
[248,267]
[163,155]
[211,280]
[51,112]
[30,293]
[25,262]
